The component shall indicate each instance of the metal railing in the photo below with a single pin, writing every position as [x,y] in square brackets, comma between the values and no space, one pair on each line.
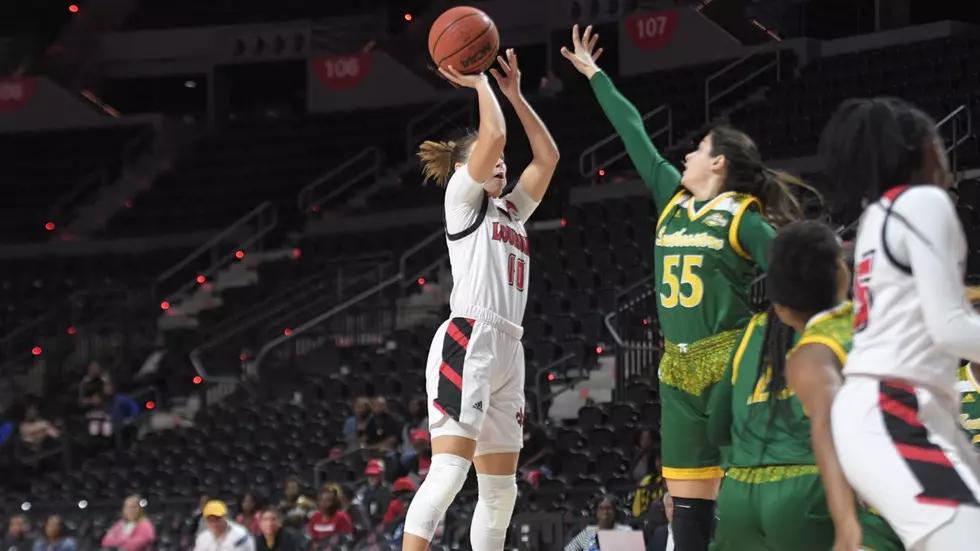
[366,165]
[637,349]
[960,123]
[710,98]
[437,119]
[589,162]
[539,413]
[219,251]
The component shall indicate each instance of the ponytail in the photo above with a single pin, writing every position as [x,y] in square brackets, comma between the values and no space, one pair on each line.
[747,174]
[439,158]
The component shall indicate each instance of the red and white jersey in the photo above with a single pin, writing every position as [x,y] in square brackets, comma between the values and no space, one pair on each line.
[488,248]
[912,321]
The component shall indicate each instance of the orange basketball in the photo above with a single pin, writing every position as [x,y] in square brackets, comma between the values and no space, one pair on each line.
[465,38]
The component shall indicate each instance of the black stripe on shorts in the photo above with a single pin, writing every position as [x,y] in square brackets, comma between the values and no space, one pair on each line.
[941,484]
[449,393]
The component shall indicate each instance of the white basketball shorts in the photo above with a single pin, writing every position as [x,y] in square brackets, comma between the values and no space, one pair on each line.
[474,379]
[902,450]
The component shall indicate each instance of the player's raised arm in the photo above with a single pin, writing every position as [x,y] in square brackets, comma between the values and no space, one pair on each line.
[489,145]
[813,373]
[659,175]
[536,177]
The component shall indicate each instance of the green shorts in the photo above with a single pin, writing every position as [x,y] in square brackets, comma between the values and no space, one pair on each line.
[784,507]
[688,373]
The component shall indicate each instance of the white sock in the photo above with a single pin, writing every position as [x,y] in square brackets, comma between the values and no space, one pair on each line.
[498,494]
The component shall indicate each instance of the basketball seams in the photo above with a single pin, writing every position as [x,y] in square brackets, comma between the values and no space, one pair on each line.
[435,45]
[464,46]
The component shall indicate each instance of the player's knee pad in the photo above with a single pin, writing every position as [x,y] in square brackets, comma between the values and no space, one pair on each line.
[498,494]
[693,523]
[447,473]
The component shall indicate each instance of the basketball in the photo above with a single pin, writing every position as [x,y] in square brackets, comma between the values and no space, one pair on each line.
[465,38]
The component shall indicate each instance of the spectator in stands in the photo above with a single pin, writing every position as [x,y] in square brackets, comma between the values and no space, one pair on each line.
[416,419]
[272,536]
[53,538]
[6,431]
[329,519]
[16,538]
[375,494]
[644,459]
[222,534]
[295,507]
[132,532]
[416,464]
[249,513]
[356,425]
[650,490]
[605,515]
[663,537]
[91,387]
[111,412]
[196,525]
[383,428]
[36,432]
[404,489]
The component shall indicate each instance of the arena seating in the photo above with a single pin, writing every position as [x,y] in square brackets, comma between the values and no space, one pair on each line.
[156,14]
[936,75]
[42,168]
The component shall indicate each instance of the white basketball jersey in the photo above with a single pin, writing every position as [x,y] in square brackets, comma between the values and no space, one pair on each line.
[488,248]
[892,338]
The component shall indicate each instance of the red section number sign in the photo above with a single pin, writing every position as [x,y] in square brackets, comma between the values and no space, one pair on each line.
[651,31]
[342,72]
[15,93]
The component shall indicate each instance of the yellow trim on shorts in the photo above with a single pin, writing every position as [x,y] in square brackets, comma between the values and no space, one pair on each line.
[746,337]
[703,473]
[830,343]
[677,198]
[733,229]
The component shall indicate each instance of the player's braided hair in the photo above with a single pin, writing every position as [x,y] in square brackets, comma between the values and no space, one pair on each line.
[870,146]
[803,277]
[439,159]
[748,174]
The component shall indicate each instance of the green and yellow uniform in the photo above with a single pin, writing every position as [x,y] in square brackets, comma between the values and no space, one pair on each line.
[706,255]
[772,497]
[969,388]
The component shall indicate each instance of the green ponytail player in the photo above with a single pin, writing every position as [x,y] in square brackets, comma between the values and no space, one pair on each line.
[710,243]
[969,389]
[784,488]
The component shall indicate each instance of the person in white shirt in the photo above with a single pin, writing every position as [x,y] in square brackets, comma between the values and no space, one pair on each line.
[475,368]
[895,420]
[222,534]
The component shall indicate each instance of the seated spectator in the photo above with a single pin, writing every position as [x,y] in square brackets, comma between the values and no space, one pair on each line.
[295,508]
[404,489]
[195,523]
[222,534]
[329,519]
[90,387]
[249,513]
[132,532]
[416,464]
[111,412]
[6,431]
[53,538]
[375,494]
[605,514]
[642,461]
[36,432]
[272,536]
[16,538]
[383,429]
[355,428]
[417,419]
[663,536]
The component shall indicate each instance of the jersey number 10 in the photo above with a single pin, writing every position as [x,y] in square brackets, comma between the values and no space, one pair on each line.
[516,268]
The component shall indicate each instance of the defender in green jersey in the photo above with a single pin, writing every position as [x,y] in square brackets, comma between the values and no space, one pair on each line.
[712,231]
[969,388]
[779,484]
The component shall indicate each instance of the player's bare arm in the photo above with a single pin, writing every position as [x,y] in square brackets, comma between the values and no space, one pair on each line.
[493,129]
[813,373]
[537,176]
